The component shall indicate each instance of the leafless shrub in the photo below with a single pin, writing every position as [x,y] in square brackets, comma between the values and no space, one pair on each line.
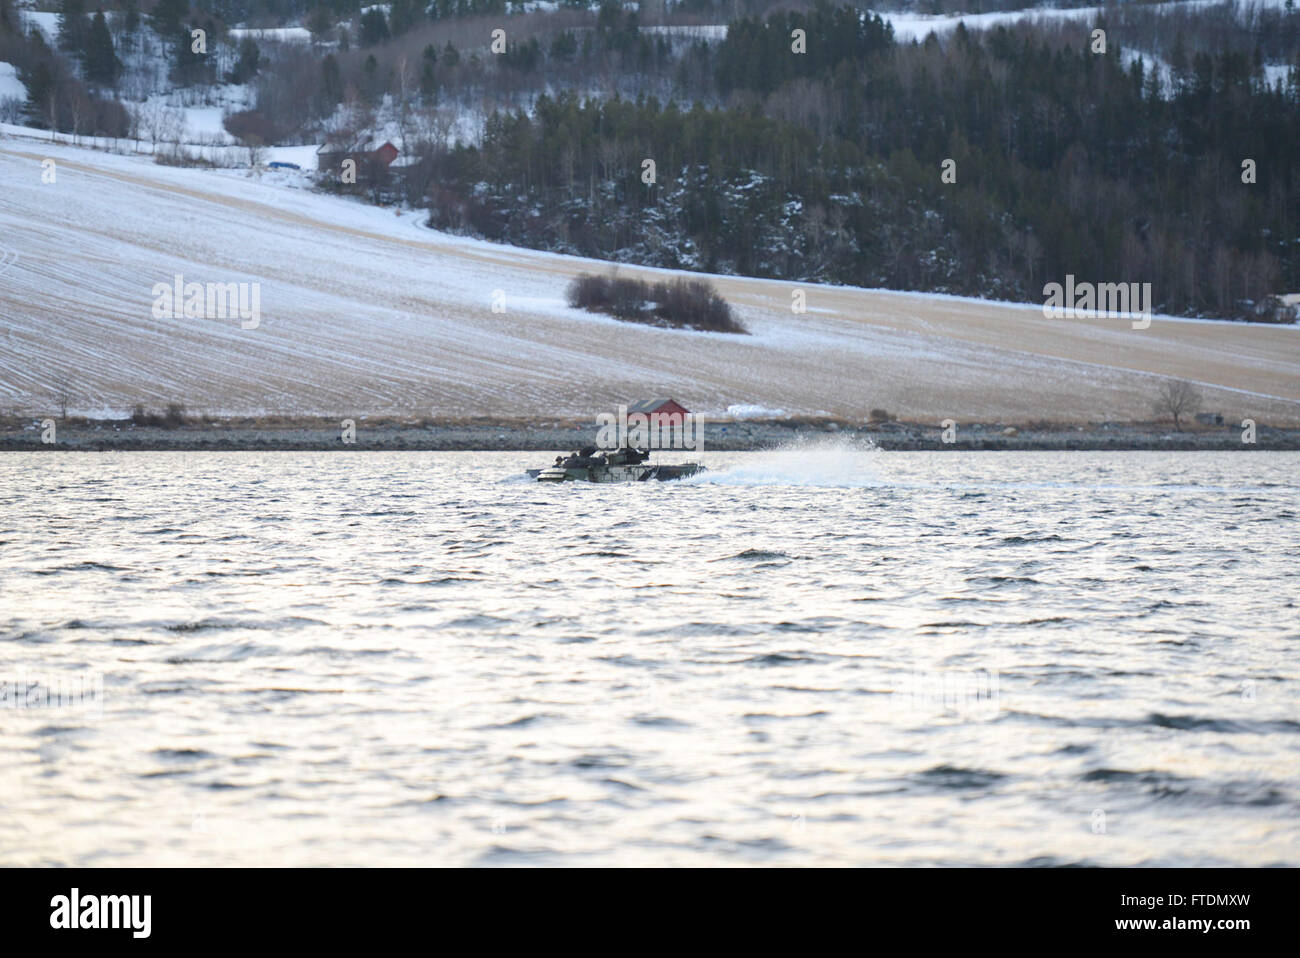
[252,125]
[172,418]
[178,156]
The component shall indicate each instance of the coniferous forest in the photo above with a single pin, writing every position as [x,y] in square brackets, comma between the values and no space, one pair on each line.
[828,166]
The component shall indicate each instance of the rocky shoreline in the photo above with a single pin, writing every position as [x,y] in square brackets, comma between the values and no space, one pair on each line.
[389,434]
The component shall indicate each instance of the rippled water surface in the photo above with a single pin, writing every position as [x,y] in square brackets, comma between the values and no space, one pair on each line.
[815,657]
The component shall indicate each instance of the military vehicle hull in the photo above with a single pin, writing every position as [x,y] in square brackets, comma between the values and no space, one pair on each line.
[637,472]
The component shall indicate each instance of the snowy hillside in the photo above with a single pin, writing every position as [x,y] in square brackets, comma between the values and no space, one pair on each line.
[365,312]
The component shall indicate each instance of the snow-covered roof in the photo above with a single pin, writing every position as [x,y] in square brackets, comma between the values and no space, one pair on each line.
[335,147]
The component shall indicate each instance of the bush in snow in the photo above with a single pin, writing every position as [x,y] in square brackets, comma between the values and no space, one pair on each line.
[680,304]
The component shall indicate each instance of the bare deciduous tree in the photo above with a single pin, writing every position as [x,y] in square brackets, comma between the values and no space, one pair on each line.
[403,105]
[160,123]
[1178,398]
[256,151]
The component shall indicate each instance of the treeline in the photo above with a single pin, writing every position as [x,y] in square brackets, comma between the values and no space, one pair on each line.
[73,84]
[301,90]
[89,40]
[763,55]
[1174,32]
[403,13]
[1065,162]
[57,98]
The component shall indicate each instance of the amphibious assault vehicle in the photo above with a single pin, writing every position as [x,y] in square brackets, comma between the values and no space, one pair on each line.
[616,465]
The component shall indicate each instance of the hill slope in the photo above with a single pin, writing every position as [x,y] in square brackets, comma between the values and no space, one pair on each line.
[364,312]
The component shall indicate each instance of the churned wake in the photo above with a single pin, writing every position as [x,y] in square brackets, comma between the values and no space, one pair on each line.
[821,461]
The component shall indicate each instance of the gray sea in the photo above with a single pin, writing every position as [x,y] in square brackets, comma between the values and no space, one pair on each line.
[819,656]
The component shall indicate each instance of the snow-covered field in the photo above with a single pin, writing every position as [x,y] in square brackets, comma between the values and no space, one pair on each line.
[10,85]
[915,26]
[366,312]
[46,22]
[273,34]
[714,31]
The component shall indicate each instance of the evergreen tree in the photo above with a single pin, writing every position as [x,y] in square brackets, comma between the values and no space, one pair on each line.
[72,26]
[168,15]
[188,65]
[564,46]
[403,15]
[250,60]
[320,23]
[100,60]
[374,28]
[41,89]
[331,82]
[428,78]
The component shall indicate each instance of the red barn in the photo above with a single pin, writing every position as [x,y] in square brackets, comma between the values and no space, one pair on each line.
[330,156]
[666,419]
[662,408]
